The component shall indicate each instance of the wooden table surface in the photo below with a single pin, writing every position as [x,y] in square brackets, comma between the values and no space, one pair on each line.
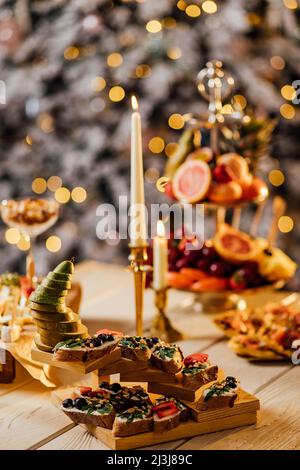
[29,420]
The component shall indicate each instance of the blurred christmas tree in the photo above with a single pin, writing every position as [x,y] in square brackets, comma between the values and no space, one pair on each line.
[71,67]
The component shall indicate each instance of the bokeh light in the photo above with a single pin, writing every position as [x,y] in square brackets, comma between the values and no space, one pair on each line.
[78,194]
[287,111]
[181,5]
[277,62]
[176,121]
[24,243]
[142,71]
[156,144]
[161,183]
[174,53]
[209,7]
[291,4]
[276,177]
[285,224]
[170,148]
[53,243]
[12,236]
[45,122]
[193,10]
[39,185]
[28,140]
[114,60]
[288,92]
[62,195]
[151,175]
[153,26]
[54,182]
[98,84]
[239,101]
[71,53]
[169,22]
[116,93]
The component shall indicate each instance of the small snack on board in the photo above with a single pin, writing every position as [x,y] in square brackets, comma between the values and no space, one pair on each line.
[86,410]
[135,420]
[167,357]
[134,348]
[198,371]
[219,395]
[88,349]
[168,412]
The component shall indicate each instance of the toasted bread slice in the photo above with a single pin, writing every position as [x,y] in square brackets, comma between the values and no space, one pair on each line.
[96,412]
[134,348]
[168,412]
[167,357]
[135,420]
[197,375]
[252,346]
[86,350]
[219,395]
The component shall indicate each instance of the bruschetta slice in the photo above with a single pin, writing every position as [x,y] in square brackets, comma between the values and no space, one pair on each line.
[168,412]
[135,420]
[219,395]
[167,357]
[253,347]
[134,348]
[198,371]
[84,410]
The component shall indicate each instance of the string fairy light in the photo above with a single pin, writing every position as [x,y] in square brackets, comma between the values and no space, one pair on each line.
[53,243]
[176,121]
[116,93]
[156,144]
[39,185]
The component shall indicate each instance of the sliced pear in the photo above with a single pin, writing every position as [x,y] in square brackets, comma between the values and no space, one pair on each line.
[59,276]
[56,284]
[46,300]
[51,291]
[51,338]
[40,345]
[55,317]
[59,308]
[60,326]
[65,267]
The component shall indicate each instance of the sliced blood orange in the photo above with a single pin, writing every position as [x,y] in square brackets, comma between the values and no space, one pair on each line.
[236,166]
[192,181]
[225,193]
[237,246]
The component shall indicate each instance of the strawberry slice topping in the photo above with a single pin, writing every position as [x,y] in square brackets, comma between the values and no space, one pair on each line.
[192,358]
[106,331]
[165,409]
[95,393]
[84,390]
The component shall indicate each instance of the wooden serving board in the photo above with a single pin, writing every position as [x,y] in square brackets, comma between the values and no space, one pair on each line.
[81,367]
[150,374]
[243,413]
[124,366]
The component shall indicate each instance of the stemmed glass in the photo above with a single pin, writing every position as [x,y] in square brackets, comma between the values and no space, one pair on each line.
[32,217]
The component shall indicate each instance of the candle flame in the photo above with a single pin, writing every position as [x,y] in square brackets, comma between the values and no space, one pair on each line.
[160,229]
[134,103]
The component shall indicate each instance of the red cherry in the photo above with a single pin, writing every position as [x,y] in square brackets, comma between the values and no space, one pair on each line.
[209,252]
[219,268]
[169,190]
[203,265]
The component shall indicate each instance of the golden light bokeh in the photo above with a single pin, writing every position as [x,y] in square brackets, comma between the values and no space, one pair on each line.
[143,71]
[78,194]
[193,10]
[285,224]
[169,22]
[227,109]
[62,195]
[276,177]
[174,53]
[181,5]
[156,144]
[151,175]
[161,183]
[39,185]
[53,243]
[291,4]
[116,93]
[277,62]
[176,121]
[170,148]
[24,243]
[54,182]
[98,84]
[209,7]
[12,236]
[240,101]
[288,92]
[28,140]
[114,59]
[287,111]
[45,122]
[153,26]
[71,53]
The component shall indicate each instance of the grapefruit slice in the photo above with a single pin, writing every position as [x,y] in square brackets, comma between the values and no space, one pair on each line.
[237,246]
[192,181]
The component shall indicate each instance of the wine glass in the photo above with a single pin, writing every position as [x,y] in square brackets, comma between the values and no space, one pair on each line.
[32,217]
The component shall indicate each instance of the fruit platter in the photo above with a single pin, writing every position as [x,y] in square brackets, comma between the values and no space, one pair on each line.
[230,262]
[268,333]
[197,175]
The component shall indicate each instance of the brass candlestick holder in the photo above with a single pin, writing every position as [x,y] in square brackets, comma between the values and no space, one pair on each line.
[161,325]
[138,258]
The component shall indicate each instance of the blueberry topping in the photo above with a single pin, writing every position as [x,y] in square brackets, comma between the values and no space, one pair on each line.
[115,387]
[110,338]
[67,403]
[103,337]
[231,382]
[104,385]
[79,403]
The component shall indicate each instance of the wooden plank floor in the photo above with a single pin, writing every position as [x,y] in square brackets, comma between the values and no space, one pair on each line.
[28,419]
